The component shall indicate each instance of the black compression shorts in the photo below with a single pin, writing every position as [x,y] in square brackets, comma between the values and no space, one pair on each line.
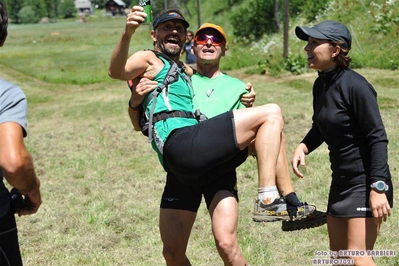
[180,196]
[199,154]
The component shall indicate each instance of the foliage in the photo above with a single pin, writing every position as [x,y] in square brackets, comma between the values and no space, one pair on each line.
[51,7]
[296,64]
[27,15]
[254,20]
[67,9]
[13,7]
[385,19]
[369,23]
[307,9]
[38,6]
[41,8]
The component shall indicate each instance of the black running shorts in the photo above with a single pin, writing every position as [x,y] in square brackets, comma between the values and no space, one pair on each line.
[197,155]
[180,196]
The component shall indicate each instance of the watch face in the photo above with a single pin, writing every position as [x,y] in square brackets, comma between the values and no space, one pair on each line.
[380,186]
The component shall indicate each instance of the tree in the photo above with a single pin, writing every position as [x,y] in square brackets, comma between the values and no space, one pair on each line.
[309,9]
[286,26]
[27,15]
[67,9]
[13,7]
[254,20]
[38,7]
[276,15]
[52,8]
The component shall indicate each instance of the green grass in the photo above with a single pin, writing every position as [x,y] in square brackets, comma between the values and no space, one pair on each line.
[67,52]
[101,181]
[79,53]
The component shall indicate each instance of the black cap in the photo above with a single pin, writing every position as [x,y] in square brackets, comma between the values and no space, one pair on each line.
[169,16]
[326,30]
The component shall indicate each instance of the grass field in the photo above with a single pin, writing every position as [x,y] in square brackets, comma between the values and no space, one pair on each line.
[101,181]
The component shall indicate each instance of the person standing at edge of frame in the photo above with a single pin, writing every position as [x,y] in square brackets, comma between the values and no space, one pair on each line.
[16,164]
[347,118]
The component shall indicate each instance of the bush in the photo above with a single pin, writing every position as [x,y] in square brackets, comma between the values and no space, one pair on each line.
[67,9]
[27,16]
[254,20]
[295,64]
[307,9]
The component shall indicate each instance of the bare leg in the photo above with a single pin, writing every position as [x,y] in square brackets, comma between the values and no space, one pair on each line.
[224,215]
[283,178]
[265,124]
[175,228]
[353,234]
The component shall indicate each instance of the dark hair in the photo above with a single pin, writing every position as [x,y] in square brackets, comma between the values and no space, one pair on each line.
[3,22]
[342,60]
[155,23]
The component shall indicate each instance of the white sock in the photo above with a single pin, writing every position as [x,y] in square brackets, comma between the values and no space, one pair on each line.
[268,194]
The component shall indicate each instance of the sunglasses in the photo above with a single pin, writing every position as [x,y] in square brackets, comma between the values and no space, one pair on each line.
[202,39]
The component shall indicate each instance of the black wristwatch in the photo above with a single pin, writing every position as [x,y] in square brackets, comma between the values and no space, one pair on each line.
[379,186]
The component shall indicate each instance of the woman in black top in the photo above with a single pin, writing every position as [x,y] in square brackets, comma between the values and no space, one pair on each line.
[347,118]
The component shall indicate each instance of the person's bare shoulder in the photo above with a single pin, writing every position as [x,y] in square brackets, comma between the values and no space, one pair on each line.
[152,64]
[142,64]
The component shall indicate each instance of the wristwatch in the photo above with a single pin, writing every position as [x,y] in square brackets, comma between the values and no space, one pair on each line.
[379,186]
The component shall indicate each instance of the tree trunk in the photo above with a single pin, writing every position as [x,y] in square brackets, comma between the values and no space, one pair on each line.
[276,18]
[286,27]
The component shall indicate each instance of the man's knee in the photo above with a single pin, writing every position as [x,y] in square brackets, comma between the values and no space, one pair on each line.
[273,114]
[227,245]
[172,254]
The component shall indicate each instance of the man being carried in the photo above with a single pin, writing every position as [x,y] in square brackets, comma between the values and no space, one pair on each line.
[175,137]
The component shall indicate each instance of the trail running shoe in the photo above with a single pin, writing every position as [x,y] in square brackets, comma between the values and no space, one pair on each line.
[315,219]
[278,210]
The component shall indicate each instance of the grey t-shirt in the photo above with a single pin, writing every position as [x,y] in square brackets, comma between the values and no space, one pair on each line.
[13,108]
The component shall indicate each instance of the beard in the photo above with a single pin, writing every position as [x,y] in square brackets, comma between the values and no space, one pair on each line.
[169,51]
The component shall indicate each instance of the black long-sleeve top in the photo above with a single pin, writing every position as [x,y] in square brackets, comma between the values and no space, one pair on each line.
[346,116]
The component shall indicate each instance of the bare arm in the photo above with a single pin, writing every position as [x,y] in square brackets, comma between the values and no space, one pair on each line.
[124,68]
[137,65]
[135,118]
[139,89]
[17,166]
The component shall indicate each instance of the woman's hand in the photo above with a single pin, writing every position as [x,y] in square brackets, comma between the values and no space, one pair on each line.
[379,206]
[298,159]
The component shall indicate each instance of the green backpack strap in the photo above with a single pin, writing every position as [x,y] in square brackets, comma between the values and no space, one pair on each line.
[172,76]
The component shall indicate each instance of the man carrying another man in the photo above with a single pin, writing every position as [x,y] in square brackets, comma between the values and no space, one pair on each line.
[177,216]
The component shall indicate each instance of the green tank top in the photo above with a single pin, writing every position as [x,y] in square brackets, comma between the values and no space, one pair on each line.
[177,97]
[214,96]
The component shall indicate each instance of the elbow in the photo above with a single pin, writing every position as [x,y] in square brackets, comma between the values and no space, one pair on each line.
[112,74]
[116,73]
[15,164]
